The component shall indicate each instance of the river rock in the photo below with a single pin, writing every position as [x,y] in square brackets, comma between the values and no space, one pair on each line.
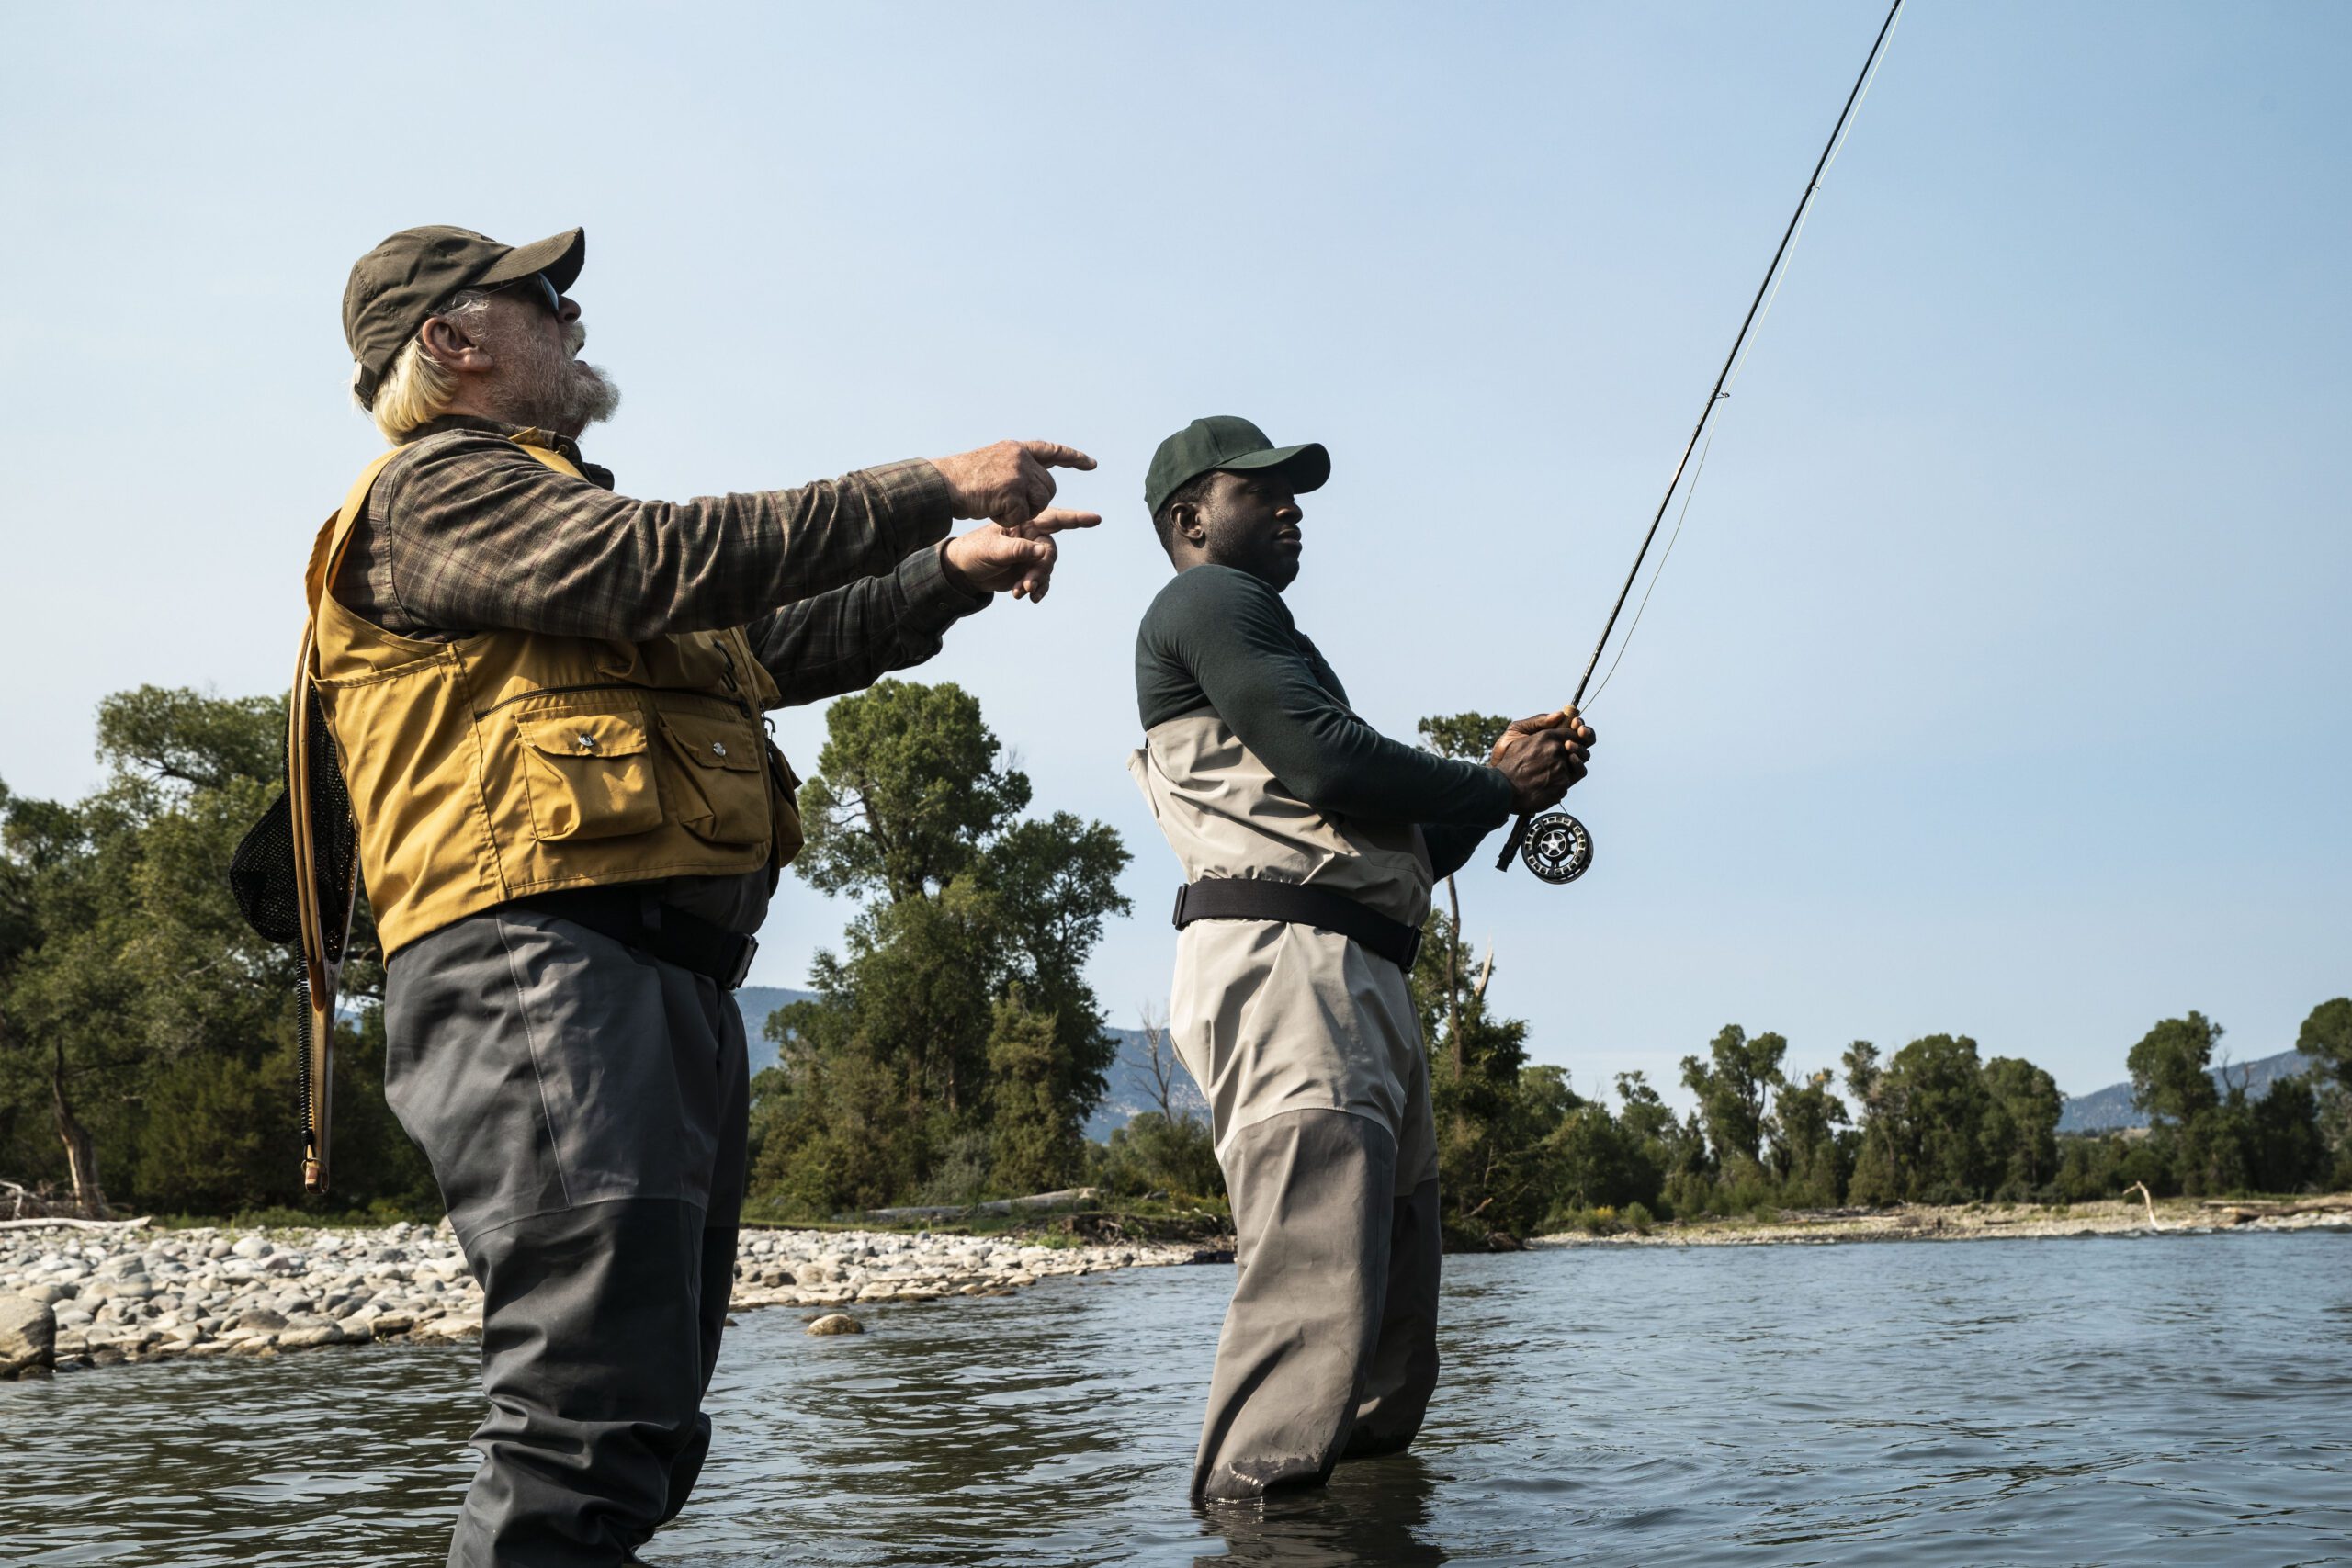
[302,1332]
[837,1322]
[28,1336]
[126,1297]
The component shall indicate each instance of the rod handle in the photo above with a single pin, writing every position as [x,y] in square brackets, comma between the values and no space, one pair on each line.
[1510,845]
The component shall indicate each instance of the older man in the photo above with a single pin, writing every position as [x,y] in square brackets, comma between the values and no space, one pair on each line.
[1309,842]
[545,698]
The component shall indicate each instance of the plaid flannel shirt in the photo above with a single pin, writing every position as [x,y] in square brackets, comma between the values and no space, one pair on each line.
[837,584]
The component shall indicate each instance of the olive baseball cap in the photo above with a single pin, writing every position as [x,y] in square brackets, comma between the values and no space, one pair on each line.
[1221,442]
[400,283]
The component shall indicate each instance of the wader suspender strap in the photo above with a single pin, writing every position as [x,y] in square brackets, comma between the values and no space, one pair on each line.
[1254,899]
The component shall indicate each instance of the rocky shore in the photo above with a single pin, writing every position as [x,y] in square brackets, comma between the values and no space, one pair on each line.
[76,1298]
[1978,1222]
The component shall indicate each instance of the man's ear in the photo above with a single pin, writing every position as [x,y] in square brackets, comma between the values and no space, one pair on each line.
[1184,523]
[453,349]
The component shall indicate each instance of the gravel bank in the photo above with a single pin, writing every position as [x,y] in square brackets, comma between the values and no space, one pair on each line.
[1973,1223]
[140,1295]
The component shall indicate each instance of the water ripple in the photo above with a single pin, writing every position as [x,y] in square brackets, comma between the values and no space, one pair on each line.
[2175,1400]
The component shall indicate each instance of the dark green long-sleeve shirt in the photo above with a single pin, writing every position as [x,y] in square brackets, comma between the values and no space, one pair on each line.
[1221,639]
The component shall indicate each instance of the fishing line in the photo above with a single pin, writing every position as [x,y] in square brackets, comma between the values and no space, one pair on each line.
[1556,847]
[1779,276]
[1664,556]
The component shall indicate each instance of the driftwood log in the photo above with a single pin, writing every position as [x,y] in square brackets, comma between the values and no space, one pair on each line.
[1069,1198]
[2242,1212]
[28,1210]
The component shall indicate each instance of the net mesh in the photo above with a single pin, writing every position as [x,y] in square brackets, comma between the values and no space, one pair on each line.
[262,874]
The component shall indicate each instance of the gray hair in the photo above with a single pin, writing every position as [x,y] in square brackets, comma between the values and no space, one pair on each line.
[418,389]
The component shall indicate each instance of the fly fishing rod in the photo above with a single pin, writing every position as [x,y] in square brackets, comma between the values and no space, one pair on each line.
[1556,845]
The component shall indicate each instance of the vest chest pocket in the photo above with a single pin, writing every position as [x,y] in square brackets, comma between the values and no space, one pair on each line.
[721,782]
[589,775]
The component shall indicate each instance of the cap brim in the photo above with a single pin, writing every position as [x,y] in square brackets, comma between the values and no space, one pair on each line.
[1308,464]
[561,257]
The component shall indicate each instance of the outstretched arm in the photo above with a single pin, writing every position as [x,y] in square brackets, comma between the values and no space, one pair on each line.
[476,535]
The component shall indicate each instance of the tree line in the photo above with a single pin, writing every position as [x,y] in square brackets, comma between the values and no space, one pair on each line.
[954,1050]
[1935,1122]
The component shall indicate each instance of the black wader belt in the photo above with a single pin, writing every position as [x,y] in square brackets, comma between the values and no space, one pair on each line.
[634,917]
[1254,898]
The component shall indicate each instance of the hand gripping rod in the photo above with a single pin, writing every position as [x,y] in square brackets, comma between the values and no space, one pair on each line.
[1715,395]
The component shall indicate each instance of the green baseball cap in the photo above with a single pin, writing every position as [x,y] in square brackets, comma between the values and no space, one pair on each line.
[400,283]
[1221,442]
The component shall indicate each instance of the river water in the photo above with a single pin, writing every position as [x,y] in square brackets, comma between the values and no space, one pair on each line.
[2153,1400]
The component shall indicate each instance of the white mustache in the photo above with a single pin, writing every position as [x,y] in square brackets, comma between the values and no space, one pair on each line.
[575,338]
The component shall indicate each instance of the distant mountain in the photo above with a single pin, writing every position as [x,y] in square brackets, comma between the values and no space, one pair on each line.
[756,1002]
[1129,1088]
[2110,1109]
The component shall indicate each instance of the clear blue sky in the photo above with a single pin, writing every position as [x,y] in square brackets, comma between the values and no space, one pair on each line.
[1998,683]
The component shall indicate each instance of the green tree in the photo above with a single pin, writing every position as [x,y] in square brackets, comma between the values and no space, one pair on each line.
[1603,1161]
[2285,1149]
[1495,1113]
[2169,1066]
[2020,1128]
[1808,1156]
[2198,1140]
[1922,1129]
[2326,1039]
[1034,1146]
[141,1019]
[955,1028]
[909,788]
[1675,1148]
[1734,1090]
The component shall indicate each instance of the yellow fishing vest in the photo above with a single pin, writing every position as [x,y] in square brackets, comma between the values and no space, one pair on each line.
[508,762]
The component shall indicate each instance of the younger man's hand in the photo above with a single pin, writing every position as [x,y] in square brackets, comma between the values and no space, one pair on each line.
[1543,757]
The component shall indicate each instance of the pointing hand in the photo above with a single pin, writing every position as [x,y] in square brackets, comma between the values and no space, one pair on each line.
[1009,483]
[1022,558]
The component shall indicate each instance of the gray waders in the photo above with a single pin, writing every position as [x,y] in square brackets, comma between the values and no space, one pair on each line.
[583,1110]
[1308,1049]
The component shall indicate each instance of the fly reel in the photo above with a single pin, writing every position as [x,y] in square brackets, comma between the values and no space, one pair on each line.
[1557,849]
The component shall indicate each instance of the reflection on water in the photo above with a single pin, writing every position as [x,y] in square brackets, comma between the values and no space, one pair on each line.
[2174,1400]
[1377,1511]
